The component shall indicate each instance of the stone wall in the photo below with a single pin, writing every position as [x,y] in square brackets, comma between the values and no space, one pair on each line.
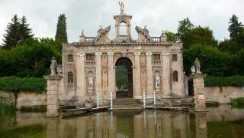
[223,94]
[6,97]
[27,99]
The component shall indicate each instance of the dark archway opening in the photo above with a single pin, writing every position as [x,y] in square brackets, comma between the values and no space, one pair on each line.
[124,78]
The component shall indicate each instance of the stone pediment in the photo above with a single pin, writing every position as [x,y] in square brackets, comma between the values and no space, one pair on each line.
[143,34]
[102,36]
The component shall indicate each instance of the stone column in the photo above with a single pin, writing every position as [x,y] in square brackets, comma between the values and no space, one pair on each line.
[199,97]
[137,76]
[111,74]
[166,74]
[98,72]
[149,75]
[52,95]
[80,71]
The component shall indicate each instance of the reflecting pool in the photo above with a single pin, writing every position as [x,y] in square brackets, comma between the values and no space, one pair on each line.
[221,122]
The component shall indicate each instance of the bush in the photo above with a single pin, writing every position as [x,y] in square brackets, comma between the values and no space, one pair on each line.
[224,81]
[238,102]
[16,84]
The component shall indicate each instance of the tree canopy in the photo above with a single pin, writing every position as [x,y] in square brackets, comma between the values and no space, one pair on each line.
[17,32]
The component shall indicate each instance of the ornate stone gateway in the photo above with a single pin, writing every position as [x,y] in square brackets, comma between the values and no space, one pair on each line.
[126,76]
[153,64]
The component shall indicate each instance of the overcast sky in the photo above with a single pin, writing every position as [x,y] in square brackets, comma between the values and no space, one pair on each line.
[157,15]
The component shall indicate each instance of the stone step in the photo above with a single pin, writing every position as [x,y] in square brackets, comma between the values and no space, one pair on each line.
[126,101]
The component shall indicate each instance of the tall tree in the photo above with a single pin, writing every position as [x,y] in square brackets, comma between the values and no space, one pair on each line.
[184,26]
[235,28]
[61,32]
[17,32]
[199,35]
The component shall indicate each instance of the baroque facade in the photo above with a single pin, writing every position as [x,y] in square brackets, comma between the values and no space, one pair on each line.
[152,63]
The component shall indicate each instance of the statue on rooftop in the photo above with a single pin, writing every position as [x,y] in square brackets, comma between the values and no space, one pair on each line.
[122,7]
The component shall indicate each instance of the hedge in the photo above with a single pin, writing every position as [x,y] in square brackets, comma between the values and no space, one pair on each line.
[224,81]
[16,84]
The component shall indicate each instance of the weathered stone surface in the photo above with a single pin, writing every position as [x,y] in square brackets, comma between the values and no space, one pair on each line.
[28,99]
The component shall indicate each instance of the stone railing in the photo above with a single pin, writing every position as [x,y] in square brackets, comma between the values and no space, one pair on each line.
[90,39]
[156,63]
[90,63]
[155,39]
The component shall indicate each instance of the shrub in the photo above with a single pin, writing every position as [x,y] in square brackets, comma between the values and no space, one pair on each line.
[224,81]
[16,84]
[238,102]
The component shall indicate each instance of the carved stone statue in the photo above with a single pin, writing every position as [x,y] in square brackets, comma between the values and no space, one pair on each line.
[53,66]
[90,82]
[157,81]
[122,7]
[197,65]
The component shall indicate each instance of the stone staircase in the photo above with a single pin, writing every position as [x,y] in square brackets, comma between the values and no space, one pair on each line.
[127,104]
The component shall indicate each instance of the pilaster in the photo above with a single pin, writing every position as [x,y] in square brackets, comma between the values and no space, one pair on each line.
[80,71]
[111,73]
[137,76]
[98,72]
[149,75]
[166,74]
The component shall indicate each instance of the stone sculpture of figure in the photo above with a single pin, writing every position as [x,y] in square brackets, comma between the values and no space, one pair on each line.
[121,4]
[157,81]
[197,65]
[53,66]
[90,82]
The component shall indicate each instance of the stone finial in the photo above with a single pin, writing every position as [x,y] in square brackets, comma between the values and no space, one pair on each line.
[163,36]
[82,36]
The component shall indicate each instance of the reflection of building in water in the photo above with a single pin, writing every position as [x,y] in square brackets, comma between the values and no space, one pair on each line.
[156,124]
[153,63]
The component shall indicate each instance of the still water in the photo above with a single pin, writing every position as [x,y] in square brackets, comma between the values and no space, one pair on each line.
[218,122]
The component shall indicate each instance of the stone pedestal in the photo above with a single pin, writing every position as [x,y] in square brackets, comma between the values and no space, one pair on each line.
[52,95]
[199,97]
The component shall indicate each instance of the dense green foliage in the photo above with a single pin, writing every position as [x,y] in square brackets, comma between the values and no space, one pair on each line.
[17,32]
[31,58]
[16,84]
[224,81]
[61,32]
[238,102]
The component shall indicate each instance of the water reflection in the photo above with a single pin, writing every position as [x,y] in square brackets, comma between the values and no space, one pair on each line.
[141,124]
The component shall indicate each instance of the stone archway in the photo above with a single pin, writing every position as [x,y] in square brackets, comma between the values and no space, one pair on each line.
[124,78]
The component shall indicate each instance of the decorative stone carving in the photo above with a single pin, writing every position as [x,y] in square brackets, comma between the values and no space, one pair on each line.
[90,82]
[196,67]
[122,7]
[53,66]
[157,80]
[103,35]
[143,34]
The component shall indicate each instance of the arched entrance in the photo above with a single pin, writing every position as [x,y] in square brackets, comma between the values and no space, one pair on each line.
[124,78]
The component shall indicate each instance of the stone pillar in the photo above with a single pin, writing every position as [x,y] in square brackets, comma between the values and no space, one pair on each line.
[166,74]
[80,71]
[137,76]
[98,72]
[199,97]
[149,75]
[52,95]
[201,124]
[111,74]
